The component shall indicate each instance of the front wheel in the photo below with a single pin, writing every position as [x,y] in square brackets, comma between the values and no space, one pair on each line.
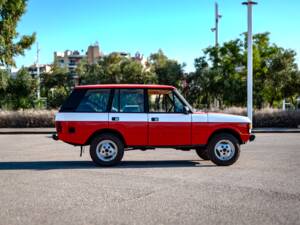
[106,150]
[224,149]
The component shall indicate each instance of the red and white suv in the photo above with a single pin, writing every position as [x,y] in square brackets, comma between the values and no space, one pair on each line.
[111,118]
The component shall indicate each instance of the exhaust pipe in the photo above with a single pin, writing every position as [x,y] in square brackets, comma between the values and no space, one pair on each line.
[54,137]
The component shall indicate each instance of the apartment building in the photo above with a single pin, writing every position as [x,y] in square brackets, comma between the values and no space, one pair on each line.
[44,68]
[70,59]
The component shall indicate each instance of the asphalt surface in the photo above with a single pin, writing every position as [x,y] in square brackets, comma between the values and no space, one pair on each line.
[45,182]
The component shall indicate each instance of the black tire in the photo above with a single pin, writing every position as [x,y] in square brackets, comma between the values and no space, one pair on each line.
[109,142]
[223,142]
[202,153]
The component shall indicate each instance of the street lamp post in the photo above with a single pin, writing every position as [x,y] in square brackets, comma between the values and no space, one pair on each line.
[216,28]
[249,4]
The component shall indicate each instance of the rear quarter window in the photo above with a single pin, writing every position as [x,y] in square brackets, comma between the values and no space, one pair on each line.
[94,100]
[73,100]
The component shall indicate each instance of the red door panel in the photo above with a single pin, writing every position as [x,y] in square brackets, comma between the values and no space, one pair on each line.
[169,129]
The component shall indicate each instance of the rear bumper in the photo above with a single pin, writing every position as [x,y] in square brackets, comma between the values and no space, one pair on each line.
[252,137]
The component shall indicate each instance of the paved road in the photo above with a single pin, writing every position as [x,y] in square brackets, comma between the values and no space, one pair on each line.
[45,182]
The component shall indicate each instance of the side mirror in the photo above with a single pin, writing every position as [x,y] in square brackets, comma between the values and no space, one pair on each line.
[186,110]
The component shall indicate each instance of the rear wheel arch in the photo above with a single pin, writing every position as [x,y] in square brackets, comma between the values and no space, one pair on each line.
[226,131]
[106,131]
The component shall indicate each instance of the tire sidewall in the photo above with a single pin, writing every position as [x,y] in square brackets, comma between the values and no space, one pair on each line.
[215,140]
[93,149]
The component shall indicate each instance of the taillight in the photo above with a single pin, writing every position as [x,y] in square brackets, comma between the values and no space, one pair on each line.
[58,126]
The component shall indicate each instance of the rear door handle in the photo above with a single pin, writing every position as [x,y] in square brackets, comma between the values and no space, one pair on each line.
[115,118]
[154,119]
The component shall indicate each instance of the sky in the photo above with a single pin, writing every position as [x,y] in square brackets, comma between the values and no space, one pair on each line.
[182,29]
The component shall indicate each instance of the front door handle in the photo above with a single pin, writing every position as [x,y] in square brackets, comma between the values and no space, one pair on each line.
[115,118]
[155,119]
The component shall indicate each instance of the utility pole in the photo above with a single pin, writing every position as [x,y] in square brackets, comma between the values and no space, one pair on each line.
[249,4]
[216,28]
[38,71]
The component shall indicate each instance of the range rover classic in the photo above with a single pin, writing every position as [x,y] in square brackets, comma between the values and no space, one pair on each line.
[118,117]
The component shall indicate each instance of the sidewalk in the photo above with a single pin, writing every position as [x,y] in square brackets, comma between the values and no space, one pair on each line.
[51,130]
[276,130]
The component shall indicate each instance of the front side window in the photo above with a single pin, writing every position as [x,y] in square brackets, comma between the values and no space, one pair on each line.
[94,100]
[128,101]
[164,101]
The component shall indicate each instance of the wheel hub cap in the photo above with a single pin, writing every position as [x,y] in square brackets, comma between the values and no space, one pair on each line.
[106,150]
[224,150]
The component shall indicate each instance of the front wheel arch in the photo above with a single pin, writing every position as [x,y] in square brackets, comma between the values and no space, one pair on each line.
[226,131]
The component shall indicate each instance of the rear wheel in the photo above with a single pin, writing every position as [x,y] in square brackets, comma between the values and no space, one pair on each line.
[106,150]
[224,149]
[202,153]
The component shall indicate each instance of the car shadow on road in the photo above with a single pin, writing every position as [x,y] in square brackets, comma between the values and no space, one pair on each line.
[56,165]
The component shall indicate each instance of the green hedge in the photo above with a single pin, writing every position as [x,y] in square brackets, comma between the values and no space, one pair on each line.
[45,118]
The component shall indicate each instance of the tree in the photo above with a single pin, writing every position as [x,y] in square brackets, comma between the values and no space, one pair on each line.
[21,90]
[275,73]
[10,13]
[168,71]
[56,85]
[282,77]
[115,68]
[4,77]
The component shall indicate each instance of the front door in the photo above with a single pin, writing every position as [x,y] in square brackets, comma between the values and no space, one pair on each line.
[167,123]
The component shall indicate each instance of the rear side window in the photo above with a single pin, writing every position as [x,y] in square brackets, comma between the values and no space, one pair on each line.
[128,101]
[94,100]
[73,100]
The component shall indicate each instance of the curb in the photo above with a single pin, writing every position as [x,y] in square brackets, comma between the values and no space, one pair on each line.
[272,130]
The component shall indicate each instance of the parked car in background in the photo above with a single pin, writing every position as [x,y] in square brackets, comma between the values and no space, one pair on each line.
[118,117]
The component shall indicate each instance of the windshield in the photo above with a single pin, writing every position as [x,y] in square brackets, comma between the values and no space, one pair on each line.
[183,100]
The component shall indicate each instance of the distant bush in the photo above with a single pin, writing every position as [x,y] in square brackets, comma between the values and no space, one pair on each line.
[276,118]
[27,118]
[269,117]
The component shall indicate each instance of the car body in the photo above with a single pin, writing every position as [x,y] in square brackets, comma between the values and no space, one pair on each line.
[143,117]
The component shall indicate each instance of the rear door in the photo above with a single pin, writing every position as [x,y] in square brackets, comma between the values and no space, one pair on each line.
[128,116]
[167,123]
